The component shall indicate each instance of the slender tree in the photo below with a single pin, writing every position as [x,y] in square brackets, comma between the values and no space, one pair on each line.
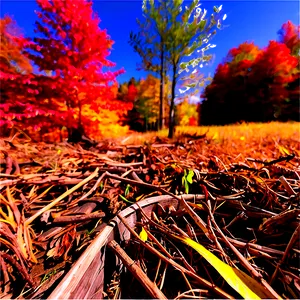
[184,31]
[149,43]
[189,31]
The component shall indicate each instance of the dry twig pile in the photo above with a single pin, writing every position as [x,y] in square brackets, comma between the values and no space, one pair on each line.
[56,198]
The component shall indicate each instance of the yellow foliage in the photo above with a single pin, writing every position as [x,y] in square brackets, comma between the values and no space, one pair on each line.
[11,53]
[105,123]
[149,98]
[186,111]
[143,235]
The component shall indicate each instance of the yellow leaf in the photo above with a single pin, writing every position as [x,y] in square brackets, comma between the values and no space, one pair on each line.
[283,150]
[28,244]
[143,235]
[238,280]
[9,217]
[21,242]
[242,138]
[215,136]
[51,252]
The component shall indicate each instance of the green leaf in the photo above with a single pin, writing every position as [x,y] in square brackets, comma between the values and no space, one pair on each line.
[186,186]
[216,10]
[124,199]
[183,180]
[127,190]
[202,24]
[189,177]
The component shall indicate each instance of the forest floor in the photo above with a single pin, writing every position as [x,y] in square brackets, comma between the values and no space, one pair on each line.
[56,198]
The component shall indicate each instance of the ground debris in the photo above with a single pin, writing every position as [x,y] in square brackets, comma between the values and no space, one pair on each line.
[55,196]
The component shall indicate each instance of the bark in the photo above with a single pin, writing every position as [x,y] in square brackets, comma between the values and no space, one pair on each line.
[171,114]
[161,90]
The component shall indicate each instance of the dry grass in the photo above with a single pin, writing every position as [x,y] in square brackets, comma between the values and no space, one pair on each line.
[243,132]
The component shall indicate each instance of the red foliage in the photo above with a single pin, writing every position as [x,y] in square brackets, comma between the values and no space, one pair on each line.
[193,121]
[222,72]
[243,51]
[71,44]
[253,84]
[290,36]
[275,62]
[22,100]
[70,51]
[132,93]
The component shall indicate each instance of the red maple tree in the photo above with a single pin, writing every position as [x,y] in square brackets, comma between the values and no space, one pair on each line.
[254,84]
[289,34]
[71,45]
[70,53]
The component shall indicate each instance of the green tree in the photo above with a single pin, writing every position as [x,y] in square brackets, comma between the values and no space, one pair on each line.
[181,32]
[149,43]
[189,32]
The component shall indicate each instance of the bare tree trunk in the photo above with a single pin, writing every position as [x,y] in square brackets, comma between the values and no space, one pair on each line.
[171,114]
[161,89]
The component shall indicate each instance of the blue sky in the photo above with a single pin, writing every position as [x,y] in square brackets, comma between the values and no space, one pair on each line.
[256,21]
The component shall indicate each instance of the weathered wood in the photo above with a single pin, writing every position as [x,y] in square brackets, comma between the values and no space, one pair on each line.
[86,277]
[85,280]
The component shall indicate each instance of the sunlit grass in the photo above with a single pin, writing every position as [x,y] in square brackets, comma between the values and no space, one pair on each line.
[244,131]
[241,132]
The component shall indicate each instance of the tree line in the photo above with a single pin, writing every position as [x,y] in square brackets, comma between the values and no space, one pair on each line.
[56,80]
[256,85]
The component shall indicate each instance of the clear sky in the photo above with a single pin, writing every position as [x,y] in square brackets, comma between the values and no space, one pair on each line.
[256,21]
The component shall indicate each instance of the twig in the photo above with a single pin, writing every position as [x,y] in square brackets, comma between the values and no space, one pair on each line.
[199,279]
[294,238]
[78,218]
[245,262]
[185,295]
[136,271]
[22,270]
[287,186]
[201,224]
[65,194]
[96,185]
[259,249]
[280,159]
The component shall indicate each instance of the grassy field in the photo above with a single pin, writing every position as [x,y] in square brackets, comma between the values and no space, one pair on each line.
[256,140]
[242,132]
[233,142]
